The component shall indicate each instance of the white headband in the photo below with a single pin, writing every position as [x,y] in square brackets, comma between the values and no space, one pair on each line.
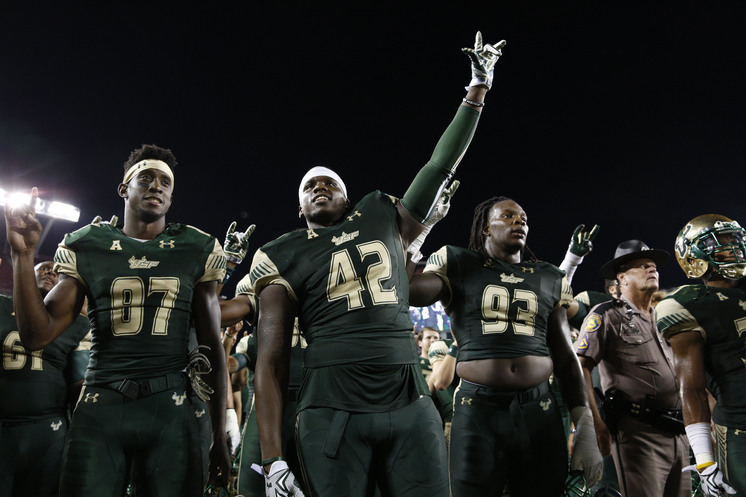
[149,164]
[321,171]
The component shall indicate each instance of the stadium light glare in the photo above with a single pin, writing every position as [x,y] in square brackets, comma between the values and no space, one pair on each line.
[53,209]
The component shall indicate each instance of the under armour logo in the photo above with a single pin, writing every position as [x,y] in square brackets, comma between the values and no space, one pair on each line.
[465,401]
[178,399]
[545,404]
[527,270]
[353,215]
[56,426]
[737,432]
[199,413]
[311,234]
[742,304]
[92,397]
[169,244]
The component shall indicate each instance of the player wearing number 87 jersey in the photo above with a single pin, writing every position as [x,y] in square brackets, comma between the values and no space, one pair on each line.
[508,314]
[146,283]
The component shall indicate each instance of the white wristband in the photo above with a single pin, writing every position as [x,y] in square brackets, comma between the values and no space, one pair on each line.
[701,442]
[570,264]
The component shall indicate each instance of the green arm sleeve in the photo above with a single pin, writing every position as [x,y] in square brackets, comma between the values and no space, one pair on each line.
[427,186]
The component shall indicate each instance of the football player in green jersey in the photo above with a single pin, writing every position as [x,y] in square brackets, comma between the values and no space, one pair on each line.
[35,388]
[146,284]
[365,417]
[705,324]
[508,314]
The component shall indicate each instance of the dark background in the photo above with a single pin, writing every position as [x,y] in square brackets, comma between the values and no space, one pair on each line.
[625,114]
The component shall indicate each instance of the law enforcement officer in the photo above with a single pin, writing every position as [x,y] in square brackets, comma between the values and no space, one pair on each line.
[642,426]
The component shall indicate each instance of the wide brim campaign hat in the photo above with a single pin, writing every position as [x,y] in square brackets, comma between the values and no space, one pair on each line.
[629,251]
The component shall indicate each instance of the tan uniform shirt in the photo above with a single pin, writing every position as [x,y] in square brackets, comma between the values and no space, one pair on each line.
[630,353]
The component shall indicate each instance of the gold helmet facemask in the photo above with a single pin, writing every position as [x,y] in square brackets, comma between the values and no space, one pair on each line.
[712,242]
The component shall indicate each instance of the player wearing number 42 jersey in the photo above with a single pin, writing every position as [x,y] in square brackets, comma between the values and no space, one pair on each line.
[363,406]
[146,284]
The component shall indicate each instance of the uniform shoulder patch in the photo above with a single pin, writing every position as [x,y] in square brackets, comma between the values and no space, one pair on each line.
[592,323]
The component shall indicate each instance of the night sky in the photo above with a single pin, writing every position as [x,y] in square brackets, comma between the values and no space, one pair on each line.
[624,114]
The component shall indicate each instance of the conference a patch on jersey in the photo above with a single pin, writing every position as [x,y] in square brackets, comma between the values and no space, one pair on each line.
[592,323]
[673,318]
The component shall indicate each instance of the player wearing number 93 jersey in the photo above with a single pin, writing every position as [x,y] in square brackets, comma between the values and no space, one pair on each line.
[508,315]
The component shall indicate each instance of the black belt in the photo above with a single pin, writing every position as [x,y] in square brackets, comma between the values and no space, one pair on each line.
[668,420]
[136,389]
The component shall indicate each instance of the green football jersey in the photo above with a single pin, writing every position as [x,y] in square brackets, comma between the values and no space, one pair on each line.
[34,384]
[139,295]
[352,289]
[719,315]
[498,309]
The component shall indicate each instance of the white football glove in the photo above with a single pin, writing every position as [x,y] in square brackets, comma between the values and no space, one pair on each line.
[585,453]
[712,483]
[232,430]
[439,212]
[237,244]
[483,59]
[280,481]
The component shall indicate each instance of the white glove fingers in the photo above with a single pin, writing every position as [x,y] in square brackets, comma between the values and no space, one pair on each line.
[452,189]
[478,41]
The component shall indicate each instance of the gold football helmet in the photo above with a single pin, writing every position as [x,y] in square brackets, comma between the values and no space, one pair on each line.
[712,242]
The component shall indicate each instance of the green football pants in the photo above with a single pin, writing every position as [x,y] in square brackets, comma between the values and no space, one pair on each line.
[402,452]
[157,440]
